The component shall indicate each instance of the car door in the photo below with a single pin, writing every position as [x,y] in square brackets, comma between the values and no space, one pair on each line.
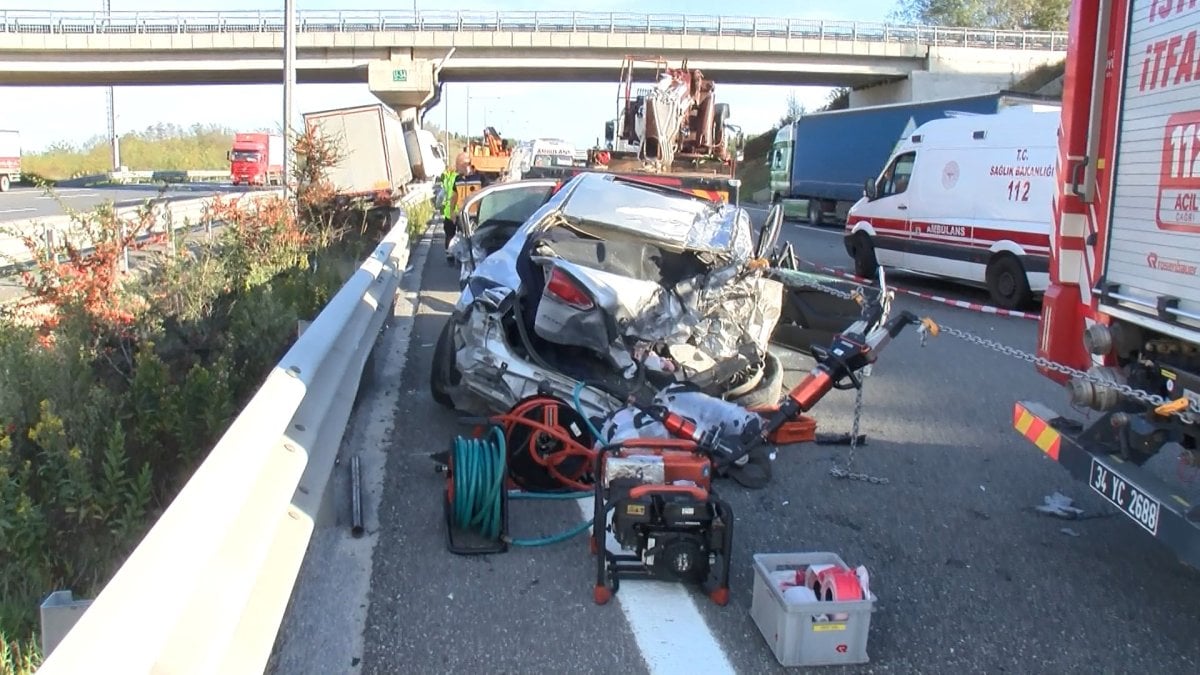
[490,216]
[892,198]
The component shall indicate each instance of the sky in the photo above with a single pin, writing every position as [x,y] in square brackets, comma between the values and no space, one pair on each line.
[46,115]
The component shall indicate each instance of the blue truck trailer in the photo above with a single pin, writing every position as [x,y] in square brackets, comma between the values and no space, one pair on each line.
[825,158]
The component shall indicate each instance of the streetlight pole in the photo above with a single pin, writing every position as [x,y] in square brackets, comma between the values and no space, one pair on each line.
[289,85]
[113,140]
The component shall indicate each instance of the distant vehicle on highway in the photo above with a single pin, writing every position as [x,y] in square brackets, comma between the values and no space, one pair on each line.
[967,198]
[256,159]
[822,157]
[10,158]
[539,153]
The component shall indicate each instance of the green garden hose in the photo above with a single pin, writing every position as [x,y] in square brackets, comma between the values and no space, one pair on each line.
[479,472]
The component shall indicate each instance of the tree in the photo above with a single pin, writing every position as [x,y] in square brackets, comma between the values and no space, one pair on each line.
[997,14]
[795,109]
[838,99]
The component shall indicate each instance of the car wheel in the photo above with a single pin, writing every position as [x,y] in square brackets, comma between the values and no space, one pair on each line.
[1007,283]
[444,373]
[769,389]
[863,253]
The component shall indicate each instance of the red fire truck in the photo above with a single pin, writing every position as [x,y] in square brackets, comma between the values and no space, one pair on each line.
[1120,323]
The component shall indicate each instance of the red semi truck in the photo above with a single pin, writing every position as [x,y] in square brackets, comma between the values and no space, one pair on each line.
[10,158]
[1120,322]
[256,159]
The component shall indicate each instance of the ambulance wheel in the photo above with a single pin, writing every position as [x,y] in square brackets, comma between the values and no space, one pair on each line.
[1007,282]
[863,253]
[814,212]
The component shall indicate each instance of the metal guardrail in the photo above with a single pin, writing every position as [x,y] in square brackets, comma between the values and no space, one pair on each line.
[55,231]
[362,21]
[206,590]
[168,176]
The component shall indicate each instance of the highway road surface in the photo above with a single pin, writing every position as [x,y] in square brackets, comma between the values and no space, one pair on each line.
[23,203]
[970,578]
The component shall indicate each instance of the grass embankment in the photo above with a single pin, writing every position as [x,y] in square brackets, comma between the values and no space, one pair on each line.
[158,148]
[115,387]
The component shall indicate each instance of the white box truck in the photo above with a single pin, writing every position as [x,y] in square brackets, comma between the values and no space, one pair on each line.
[10,158]
[968,198]
[370,138]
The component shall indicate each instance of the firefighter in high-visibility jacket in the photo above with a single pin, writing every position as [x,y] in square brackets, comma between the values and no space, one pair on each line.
[462,173]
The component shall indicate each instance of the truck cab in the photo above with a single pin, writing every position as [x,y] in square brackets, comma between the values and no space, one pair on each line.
[779,162]
[256,159]
[968,198]
[426,154]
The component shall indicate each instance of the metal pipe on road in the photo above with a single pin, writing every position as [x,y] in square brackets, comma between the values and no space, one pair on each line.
[356,512]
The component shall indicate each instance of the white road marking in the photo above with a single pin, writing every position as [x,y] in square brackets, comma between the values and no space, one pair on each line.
[73,195]
[28,208]
[670,632]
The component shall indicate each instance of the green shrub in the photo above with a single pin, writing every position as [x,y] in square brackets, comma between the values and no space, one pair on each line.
[113,388]
[419,217]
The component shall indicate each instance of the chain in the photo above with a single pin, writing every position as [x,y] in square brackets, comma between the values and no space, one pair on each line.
[1144,396]
[844,471]
[1124,389]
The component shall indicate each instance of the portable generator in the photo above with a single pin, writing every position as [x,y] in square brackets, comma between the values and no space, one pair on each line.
[666,522]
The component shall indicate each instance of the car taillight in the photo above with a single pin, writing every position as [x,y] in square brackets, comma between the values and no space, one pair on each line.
[562,286]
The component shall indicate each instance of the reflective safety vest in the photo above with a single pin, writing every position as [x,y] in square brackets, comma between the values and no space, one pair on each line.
[448,197]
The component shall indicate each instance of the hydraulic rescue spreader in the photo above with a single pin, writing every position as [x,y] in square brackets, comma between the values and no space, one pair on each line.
[667,520]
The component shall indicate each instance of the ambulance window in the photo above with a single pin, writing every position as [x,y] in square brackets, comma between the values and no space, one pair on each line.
[895,179]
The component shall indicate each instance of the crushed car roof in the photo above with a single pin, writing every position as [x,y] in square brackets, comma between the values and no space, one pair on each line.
[662,214]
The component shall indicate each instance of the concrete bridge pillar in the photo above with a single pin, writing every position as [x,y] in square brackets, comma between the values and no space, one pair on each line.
[402,82]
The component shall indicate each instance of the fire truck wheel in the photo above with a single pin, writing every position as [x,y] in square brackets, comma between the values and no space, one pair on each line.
[863,252]
[4,183]
[1007,283]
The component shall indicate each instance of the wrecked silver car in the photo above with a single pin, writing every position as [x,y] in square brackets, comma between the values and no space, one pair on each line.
[611,281]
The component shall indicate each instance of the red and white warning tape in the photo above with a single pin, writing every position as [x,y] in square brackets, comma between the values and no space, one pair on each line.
[978,307]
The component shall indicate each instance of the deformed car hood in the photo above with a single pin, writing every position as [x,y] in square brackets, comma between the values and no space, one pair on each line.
[680,224]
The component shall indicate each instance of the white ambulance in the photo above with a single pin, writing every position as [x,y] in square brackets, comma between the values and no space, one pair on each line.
[968,197]
[543,152]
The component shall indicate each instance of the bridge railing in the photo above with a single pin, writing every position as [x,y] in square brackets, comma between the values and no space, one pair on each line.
[356,21]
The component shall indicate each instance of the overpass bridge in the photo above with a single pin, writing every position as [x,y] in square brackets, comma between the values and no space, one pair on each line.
[400,53]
